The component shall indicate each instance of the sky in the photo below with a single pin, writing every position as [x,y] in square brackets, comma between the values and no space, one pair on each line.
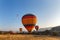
[46,11]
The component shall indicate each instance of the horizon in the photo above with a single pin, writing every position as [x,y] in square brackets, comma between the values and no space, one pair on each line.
[46,11]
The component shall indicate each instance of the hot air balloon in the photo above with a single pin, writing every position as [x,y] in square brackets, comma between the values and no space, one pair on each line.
[20,30]
[29,21]
[36,27]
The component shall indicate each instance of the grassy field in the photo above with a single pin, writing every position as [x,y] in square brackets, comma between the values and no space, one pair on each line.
[27,37]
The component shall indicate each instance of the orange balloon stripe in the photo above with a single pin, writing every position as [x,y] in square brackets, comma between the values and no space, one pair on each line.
[29,21]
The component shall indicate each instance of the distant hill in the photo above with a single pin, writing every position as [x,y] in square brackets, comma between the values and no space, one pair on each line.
[50,31]
[43,29]
[56,28]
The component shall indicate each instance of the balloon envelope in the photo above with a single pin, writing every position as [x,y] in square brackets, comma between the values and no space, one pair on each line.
[29,21]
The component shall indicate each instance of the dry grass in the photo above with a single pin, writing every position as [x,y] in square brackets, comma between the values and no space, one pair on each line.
[27,37]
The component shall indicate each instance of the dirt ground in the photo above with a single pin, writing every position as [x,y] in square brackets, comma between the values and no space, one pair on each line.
[27,37]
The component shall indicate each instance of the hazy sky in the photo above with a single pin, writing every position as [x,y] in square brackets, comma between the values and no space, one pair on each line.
[46,11]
